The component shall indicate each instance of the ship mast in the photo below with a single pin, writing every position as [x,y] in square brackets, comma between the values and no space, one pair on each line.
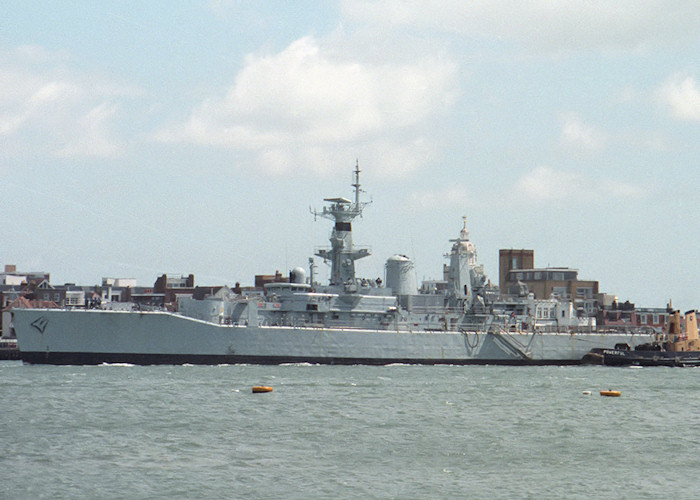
[343,254]
[356,184]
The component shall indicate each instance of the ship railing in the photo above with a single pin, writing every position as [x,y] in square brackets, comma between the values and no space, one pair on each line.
[564,329]
[516,328]
[628,330]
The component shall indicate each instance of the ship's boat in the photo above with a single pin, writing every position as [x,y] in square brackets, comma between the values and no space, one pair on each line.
[460,319]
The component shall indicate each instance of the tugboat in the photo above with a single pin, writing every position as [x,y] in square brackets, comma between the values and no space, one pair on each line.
[679,347]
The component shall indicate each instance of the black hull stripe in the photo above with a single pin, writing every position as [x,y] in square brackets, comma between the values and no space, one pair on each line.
[82,358]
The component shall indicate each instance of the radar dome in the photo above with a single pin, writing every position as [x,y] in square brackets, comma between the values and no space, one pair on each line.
[298,275]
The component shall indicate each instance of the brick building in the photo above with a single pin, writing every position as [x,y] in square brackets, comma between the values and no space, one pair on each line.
[516,268]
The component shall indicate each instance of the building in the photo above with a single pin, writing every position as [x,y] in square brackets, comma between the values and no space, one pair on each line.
[172,287]
[12,277]
[627,315]
[217,292]
[146,298]
[68,295]
[513,259]
[654,317]
[517,275]
[262,279]
[116,289]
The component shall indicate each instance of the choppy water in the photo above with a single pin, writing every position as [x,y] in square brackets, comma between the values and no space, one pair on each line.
[348,432]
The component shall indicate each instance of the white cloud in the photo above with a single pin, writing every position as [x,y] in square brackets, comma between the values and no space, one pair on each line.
[560,25]
[542,185]
[92,135]
[46,107]
[681,95]
[545,184]
[307,104]
[452,196]
[579,134]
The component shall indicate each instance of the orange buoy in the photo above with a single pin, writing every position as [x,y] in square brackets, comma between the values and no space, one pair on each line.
[261,388]
[610,393]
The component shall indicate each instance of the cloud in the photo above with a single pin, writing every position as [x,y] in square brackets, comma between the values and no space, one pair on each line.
[308,104]
[545,184]
[452,196]
[92,135]
[542,185]
[556,26]
[681,96]
[47,107]
[579,134]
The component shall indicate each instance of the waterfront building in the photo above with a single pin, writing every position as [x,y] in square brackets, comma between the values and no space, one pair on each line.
[517,275]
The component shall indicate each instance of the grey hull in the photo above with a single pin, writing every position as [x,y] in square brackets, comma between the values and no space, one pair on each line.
[57,336]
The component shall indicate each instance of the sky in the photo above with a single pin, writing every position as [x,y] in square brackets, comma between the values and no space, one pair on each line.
[143,138]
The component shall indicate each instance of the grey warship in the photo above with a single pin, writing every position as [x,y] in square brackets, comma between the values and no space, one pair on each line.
[461,319]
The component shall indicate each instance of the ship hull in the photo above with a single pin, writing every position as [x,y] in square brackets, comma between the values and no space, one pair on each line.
[96,358]
[54,336]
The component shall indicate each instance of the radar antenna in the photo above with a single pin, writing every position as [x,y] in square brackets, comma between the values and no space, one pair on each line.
[356,184]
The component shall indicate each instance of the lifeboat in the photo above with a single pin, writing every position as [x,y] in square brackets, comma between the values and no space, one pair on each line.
[610,393]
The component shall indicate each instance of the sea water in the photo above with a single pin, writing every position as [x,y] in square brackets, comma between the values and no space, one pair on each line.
[121,431]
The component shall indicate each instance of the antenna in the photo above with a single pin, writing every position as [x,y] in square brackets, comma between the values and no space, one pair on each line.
[356,184]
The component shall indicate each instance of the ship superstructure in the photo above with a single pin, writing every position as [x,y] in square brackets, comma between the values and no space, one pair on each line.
[343,254]
[459,319]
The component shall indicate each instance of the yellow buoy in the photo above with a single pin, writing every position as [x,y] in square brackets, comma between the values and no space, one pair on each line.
[261,388]
[610,393]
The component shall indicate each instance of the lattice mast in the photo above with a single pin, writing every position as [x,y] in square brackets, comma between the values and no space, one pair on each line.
[343,254]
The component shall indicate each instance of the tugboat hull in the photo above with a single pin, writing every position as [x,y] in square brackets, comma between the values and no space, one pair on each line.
[617,357]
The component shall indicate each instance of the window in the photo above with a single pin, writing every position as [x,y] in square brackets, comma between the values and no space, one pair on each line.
[73,300]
